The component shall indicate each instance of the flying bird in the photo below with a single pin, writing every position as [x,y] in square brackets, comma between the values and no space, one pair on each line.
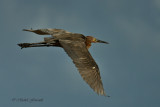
[76,46]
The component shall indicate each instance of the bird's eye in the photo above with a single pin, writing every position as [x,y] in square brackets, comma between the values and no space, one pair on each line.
[94,40]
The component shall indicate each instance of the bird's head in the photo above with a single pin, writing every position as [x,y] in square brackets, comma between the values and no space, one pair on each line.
[94,40]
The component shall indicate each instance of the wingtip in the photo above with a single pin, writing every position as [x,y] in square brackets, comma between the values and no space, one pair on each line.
[107,96]
[104,94]
[107,42]
[27,30]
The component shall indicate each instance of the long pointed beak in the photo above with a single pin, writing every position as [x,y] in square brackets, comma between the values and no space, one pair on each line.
[100,41]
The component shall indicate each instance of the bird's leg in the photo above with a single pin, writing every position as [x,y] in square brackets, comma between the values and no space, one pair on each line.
[39,44]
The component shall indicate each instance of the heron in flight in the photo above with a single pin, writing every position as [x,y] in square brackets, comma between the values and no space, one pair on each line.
[76,46]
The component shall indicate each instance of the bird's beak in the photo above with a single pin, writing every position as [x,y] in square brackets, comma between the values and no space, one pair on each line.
[100,41]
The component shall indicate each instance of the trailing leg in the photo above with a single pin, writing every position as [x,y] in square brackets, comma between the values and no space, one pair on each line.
[40,44]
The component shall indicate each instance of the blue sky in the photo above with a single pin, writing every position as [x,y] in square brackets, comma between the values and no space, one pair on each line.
[129,65]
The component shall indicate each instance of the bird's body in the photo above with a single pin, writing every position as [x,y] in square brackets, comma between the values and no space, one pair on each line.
[76,46]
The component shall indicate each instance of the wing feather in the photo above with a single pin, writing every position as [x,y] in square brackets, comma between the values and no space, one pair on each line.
[48,31]
[84,62]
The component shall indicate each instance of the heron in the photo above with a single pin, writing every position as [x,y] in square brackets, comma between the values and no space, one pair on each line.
[76,46]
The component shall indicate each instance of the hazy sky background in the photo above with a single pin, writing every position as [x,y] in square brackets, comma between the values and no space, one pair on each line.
[129,65]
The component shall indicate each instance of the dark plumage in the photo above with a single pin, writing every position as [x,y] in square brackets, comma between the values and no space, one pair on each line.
[76,46]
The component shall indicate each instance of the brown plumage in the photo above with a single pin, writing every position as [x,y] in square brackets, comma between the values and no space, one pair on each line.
[76,46]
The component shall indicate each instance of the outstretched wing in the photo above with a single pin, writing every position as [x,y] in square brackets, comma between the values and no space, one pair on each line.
[47,31]
[84,62]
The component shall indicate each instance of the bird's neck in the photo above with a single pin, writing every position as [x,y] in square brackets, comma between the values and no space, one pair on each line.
[88,45]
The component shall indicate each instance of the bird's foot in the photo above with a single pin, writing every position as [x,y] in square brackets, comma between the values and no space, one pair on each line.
[24,45]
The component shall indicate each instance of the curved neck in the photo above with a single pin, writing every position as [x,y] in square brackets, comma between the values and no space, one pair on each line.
[88,44]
